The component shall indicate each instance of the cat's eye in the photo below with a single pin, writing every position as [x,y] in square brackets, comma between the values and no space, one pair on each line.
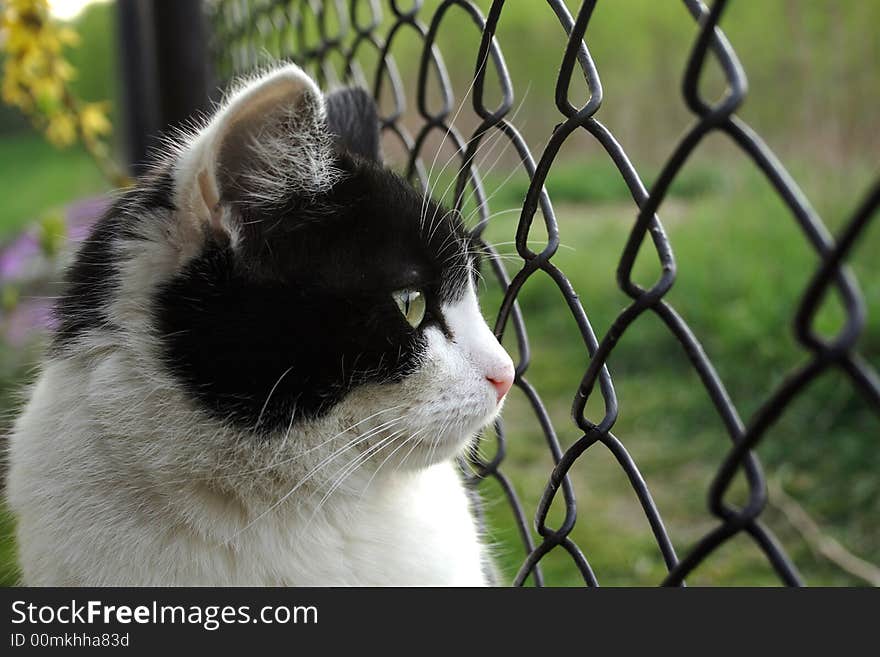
[411,304]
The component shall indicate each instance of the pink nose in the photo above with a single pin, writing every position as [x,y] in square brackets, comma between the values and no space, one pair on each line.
[501,381]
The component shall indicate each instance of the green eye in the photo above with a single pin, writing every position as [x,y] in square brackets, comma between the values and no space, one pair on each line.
[411,304]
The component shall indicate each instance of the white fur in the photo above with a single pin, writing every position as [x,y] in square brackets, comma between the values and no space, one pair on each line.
[118,477]
[278,120]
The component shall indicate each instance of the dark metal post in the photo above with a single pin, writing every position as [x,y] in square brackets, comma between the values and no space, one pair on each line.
[181,36]
[166,75]
[140,81]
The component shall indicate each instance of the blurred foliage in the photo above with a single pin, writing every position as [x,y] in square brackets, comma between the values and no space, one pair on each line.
[36,80]
[95,60]
[52,233]
[36,178]
[742,267]
[812,67]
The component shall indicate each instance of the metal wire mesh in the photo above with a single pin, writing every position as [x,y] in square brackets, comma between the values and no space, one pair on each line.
[334,39]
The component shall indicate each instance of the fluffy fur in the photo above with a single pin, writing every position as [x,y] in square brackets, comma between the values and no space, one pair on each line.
[194,423]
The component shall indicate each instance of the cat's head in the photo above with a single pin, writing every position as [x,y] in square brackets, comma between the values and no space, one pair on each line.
[286,276]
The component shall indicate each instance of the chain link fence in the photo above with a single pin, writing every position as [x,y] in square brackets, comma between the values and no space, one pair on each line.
[354,41]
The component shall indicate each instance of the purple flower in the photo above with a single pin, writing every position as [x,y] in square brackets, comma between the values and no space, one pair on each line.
[23,257]
[18,254]
[30,263]
[31,318]
[82,215]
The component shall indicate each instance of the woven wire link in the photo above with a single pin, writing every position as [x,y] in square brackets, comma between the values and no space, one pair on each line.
[333,39]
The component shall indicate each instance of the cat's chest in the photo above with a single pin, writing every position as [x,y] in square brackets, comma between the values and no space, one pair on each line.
[417,531]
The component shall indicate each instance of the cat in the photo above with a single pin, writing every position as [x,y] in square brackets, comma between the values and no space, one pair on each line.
[267,361]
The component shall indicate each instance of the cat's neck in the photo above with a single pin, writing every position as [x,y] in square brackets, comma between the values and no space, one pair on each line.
[113,485]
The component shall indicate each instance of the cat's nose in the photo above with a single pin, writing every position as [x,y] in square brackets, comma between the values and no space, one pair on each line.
[501,379]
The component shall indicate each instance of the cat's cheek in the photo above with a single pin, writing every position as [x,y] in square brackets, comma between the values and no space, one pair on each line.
[489,368]
[460,401]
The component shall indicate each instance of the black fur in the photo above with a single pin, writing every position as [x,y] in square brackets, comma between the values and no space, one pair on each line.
[301,312]
[352,118]
[92,278]
[285,324]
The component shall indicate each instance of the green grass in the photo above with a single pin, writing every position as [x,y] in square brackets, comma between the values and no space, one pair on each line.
[35,177]
[595,181]
[742,267]
[8,565]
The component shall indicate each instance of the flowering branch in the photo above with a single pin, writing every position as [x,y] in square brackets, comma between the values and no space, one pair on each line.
[36,78]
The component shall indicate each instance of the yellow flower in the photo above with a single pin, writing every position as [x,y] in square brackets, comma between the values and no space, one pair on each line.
[13,91]
[19,39]
[61,129]
[24,6]
[48,93]
[93,120]
[63,70]
[68,37]
[36,76]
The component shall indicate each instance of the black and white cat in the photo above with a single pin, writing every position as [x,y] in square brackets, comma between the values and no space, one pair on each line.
[268,358]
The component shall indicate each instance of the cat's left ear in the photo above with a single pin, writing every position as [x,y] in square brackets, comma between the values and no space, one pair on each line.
[353,121]
[267,142]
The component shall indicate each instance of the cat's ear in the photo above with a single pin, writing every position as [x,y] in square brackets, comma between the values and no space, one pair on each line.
[268,141]
[353,121]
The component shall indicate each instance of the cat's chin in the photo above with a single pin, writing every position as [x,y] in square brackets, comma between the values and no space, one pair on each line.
[449,443]
[431,452]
